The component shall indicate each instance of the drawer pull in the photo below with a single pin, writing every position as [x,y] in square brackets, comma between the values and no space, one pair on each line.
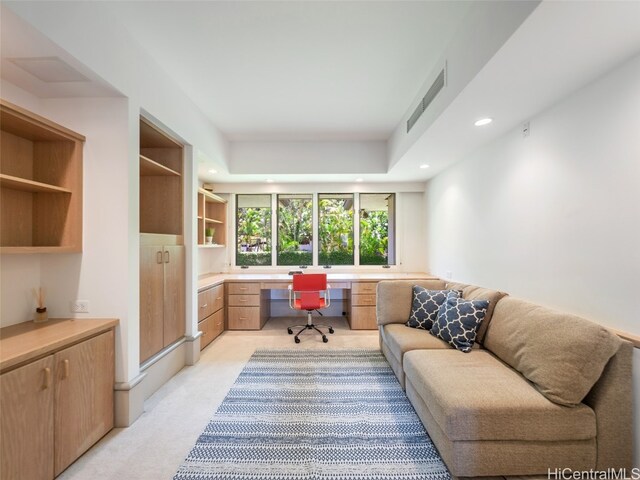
[243,318]
[205,305]
[47,378]
[242,300]
[242,288]
[66,369]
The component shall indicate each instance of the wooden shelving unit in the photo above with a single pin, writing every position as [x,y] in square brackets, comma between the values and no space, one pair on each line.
[40,184]
[212,213]
[161,167]
[162,251]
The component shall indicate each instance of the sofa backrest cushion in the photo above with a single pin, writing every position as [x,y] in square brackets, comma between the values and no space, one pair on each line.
[425,305]
[393,303]
[471,292]
[562,354]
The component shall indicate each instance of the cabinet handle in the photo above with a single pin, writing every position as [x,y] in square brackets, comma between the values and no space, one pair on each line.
[243,300]
[243,288]
[158,256]
[66,369]
[243,318]
[219,298]
[166,260]
[205,305]
[47,378]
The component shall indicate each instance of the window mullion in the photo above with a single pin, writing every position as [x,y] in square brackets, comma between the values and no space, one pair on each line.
[314,225]
[356,229]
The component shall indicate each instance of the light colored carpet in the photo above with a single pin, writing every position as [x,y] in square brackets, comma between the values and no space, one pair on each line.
[157,443]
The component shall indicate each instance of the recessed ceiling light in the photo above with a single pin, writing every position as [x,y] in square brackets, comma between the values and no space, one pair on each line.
[269,180]
[213,171]
[483,121]
[424,165]
[358,179]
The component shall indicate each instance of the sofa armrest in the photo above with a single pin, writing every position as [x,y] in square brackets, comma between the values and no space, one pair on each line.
[611,398]
[393,298]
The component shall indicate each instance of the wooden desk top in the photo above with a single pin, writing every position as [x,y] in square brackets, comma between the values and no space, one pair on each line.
[24,342]
[210,280]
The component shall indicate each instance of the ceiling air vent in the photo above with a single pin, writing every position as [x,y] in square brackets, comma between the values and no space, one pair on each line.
[435,88]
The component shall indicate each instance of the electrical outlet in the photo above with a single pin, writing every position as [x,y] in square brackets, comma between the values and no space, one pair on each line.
[526,129]
[80,306]
[448,274]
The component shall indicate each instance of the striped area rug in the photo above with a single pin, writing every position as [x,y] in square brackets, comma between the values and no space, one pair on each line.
[307,415]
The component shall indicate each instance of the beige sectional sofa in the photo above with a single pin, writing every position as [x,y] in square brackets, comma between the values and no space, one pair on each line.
[540,389]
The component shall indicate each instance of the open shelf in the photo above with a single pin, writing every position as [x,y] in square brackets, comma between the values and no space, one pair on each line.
[24,185]
[151,168]
[40,184]
[212,212]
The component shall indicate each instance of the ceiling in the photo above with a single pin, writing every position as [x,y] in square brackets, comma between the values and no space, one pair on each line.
[283,70]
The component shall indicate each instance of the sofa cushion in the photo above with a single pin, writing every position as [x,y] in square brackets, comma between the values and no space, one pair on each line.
[458,321]
[393,303]
[562,354]
[400,339]
[425,305]
[471,292]
[477,397]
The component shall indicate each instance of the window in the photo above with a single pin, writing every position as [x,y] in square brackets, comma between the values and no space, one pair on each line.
[295,230]
[335,229]
[377,228]
[253,229]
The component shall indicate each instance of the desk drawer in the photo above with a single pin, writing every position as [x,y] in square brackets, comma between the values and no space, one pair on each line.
[364,299]
[275,285]
[363,318]
[217,297]
[363,287]
[244,318]
[205,304]
[244,300]
[243,288]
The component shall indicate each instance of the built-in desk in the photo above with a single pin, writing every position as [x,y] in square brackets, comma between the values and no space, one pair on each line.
[248,299]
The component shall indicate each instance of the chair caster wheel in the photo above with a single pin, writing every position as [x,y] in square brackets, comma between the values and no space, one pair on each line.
[330,330]
[325,339]
[297,340]
[289,331]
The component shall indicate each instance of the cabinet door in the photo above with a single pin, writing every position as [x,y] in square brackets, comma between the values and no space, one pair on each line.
[174,322]
[83,397]
[26,420]
[151,300]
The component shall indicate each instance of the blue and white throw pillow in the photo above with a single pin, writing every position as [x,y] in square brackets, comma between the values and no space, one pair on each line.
[425,306]
[458,321]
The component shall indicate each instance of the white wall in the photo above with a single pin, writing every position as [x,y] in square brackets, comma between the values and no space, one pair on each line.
[554,217]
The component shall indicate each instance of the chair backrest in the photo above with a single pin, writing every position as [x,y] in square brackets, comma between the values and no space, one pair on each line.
[309,282]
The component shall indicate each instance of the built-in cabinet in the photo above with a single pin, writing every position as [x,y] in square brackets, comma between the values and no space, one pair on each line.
[162,297]
[210,314]
[248,306]
[212,213]
[362,315]
[40,184]
[54,408]
[162,251]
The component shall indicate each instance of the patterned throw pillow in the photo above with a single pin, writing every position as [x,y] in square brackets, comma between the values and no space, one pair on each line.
[425,306]
[458,321]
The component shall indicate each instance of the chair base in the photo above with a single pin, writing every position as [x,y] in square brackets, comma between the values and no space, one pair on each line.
[310,326]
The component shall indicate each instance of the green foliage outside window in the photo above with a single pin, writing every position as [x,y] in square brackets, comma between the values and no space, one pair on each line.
[253,236]
[335,230]
[295,230]
[374,240]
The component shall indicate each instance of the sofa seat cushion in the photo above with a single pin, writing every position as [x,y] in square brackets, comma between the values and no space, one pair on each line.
[400,339]
[562,354]
[475,396]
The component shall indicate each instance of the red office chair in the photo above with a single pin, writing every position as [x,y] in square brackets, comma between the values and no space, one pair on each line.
[309,292]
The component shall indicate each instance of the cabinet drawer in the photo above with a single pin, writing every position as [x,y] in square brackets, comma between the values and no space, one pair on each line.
[363,318]
[217,323]
[363,287]
[217,297]
[275,285]
[205,304]
[243,288]
[244,318]
[244,300]
[364,299]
